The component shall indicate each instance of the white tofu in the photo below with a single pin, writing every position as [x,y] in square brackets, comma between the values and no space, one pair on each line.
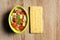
[23,23]
[14,13]
[20,16]
[25,17]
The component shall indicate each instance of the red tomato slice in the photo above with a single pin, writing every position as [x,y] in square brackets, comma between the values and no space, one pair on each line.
[14,25]
[21,27]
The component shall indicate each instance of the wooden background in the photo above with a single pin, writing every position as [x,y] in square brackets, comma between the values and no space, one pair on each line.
[51,16]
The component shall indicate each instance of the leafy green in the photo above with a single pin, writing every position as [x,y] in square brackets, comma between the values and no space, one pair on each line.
[18,18]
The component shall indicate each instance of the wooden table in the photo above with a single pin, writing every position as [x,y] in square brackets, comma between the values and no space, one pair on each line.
[51,16]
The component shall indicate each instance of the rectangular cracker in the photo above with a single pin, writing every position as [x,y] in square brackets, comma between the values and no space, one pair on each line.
[36,19]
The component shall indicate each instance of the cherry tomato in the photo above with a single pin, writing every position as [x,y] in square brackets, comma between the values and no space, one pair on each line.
[14,25]
[21,27]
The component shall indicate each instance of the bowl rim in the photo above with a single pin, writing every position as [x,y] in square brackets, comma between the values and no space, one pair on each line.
[14,30]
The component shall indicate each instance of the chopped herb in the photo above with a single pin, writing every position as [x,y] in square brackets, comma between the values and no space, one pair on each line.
[18,18]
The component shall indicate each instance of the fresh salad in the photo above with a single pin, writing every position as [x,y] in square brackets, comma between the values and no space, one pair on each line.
[18,19]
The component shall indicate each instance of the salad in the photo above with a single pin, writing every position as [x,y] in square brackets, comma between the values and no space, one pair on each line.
[18,19]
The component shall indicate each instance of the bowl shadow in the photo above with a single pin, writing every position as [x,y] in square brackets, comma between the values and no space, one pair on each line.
[5,23]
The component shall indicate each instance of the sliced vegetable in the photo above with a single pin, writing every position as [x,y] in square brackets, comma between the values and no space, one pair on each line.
[21,27]
[14,25]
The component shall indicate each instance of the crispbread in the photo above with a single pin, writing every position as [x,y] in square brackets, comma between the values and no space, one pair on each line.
[36,19]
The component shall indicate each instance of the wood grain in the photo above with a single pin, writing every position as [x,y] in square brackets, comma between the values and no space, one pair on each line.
[51,16]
